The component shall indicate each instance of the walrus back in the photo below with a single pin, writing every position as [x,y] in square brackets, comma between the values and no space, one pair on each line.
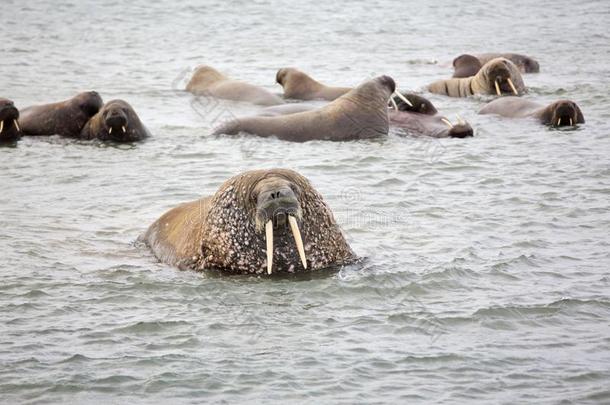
[176,237]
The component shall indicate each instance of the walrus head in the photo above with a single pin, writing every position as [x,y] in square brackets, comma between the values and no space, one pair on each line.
[119,123]
[88,102]
[502,75]
[203,76]
[526,64]
[9,127]
[273,221]
[466,66]
[563,113]
[418,104]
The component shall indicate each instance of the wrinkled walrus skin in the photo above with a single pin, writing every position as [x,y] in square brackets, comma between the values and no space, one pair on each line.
[359,114]
[116,121]
[10,131]
[65,118]
[226,231]
[561,113]
[496,71]
[207,81]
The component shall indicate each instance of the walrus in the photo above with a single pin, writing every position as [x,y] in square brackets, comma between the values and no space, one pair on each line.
[9,125]
[208,81]
[116,121]
[558,114]
[65,118]
[468,65]
[300,86]
[359,114]
[260,221]
[497,76]
[285,109]
[421,118]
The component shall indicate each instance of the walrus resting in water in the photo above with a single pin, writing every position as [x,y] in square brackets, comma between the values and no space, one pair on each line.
[207,81]
[359,114]
[9,126]
[421,118]
[116,121]
[498,76]
[65,118]
[468,65]
[300,86]
[260,221]
[557,114]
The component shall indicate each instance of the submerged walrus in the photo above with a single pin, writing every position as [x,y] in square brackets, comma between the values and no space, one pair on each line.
[498,76]
[359,114]
[421,118]
[208,81]
[557,114]
[260,221]
[9,126]
[65,118]
[300,86]
[468,65]
[116,121]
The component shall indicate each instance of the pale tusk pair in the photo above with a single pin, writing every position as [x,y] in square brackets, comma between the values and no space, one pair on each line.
[110,130]
[510,83]
[393,103]
[294,226]
[403,98]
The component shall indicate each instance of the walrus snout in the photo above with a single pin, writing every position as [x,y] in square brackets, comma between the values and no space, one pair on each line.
[8,111]
[116,119]
[276,205]
[462,130]
[566,113]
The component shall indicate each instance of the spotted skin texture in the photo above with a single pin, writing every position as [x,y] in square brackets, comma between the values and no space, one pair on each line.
[219,232]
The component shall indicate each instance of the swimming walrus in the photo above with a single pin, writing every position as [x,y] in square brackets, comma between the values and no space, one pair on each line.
[116,121]
[261,221]
[497,76]
[359,114]
[65,118]
[557,114]
[298,85]
[207,81]
[9,125]
[421,118]
[467,65]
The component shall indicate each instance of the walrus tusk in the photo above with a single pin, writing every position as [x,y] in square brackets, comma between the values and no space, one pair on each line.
[298,240]
[498,88]
[16,125]
[512,86]
[1,126]
[403,98]
[571,124]
[559,122]
[393,103]
[446,121]
[110,131]
[460,120]
[269,232]
[123,128]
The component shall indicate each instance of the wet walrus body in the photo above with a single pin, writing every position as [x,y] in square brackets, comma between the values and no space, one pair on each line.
[467,65]
[498,76]
[421,118]
[207,81]
[557,114]
[116,121]
[261,221]
[359,114]
[300,86]
[66,118]
[9,125]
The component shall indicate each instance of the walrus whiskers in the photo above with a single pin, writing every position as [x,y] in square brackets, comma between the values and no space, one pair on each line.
[403,98]
[393,103]
[446,121]
[269,234]
[498,88]
[19,129]
[294,226]
[1,126]
[512,86]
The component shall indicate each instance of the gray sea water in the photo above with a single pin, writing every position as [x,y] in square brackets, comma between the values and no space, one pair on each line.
[486,277]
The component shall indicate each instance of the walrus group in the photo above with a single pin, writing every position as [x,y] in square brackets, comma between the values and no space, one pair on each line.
[274,221]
